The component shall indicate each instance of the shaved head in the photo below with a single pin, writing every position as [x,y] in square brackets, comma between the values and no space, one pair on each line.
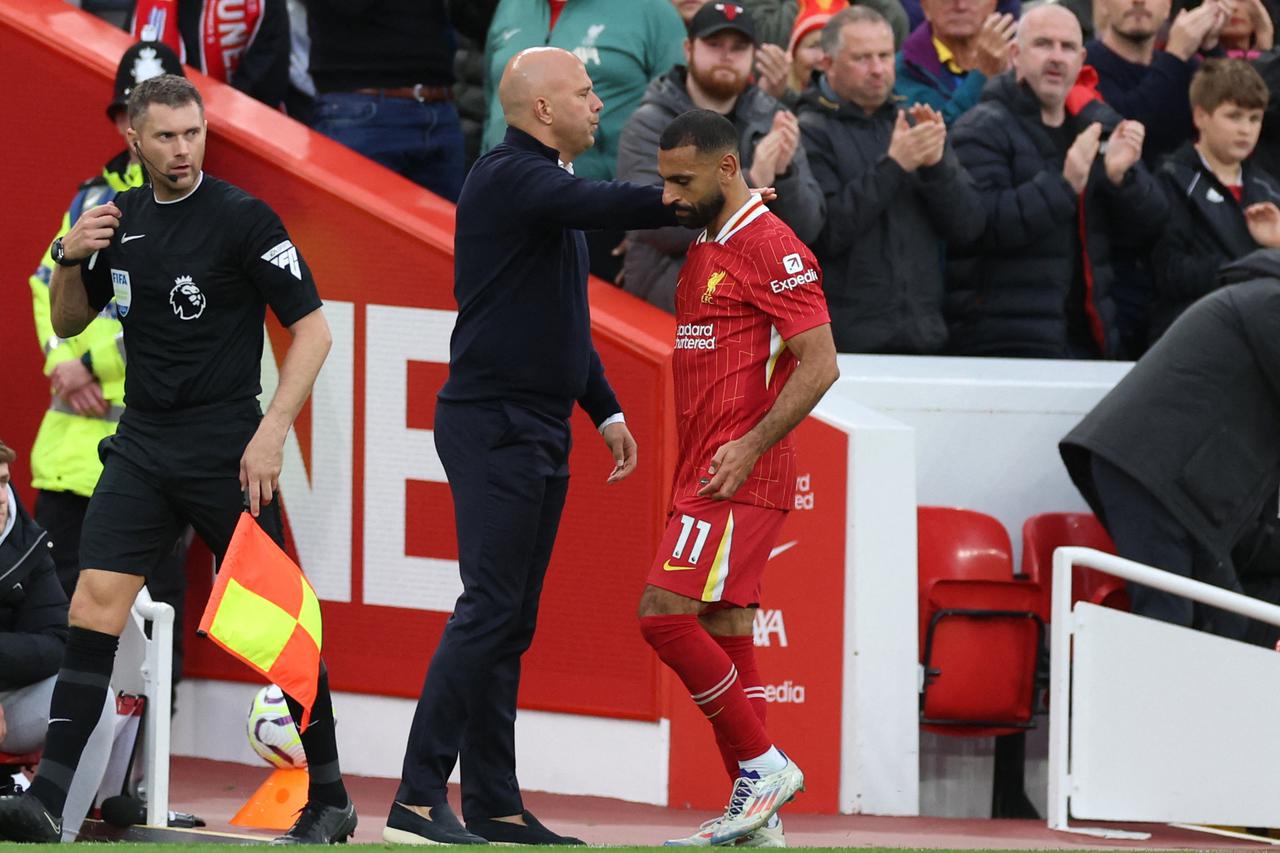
[547,93]
[1048,14]
[1047,57]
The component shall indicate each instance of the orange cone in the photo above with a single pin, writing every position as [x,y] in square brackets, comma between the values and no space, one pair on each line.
[276,803]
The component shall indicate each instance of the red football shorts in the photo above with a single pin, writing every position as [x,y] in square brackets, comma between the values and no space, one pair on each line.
[716,550]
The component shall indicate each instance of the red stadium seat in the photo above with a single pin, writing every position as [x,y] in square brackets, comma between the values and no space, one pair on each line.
[979,628]
[1043,533]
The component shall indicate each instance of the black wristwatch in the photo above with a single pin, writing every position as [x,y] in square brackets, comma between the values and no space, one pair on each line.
[59,255]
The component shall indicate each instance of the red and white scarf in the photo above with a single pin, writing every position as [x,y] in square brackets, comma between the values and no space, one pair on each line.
[226,29]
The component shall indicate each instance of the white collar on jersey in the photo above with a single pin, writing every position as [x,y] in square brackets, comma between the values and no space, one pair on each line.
[568,167]
[742,217]
[190,193]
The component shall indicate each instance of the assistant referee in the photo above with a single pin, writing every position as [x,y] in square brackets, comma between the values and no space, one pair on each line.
[192,263]
[520,358]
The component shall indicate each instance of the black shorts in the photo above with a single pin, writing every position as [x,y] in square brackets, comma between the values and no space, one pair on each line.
[162,471]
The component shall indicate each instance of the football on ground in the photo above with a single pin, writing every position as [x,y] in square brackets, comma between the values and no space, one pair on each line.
[272,732]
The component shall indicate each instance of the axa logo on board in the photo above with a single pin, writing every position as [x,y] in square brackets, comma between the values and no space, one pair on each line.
[769,626]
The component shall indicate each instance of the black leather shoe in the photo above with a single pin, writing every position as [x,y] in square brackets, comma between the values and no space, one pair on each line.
[531,832]
[321,824]
[405,826]
[24,818]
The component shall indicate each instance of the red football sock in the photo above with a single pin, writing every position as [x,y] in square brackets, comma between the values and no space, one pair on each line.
[742,651]
[711,679]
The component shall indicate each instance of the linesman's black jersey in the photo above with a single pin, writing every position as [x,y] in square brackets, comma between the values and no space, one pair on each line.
[192,279]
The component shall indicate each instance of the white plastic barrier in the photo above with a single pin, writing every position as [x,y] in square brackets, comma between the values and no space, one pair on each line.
[145,666]
[1166,724]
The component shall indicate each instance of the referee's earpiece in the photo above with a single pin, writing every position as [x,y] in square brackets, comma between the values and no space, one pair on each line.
[138,148]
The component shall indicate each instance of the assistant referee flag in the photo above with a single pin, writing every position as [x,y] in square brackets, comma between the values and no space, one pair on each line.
[264,611]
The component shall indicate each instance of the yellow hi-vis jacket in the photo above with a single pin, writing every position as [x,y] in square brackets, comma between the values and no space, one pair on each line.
[65,455]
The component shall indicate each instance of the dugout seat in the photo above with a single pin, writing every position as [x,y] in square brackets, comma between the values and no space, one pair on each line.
[979,627]
[1043,533]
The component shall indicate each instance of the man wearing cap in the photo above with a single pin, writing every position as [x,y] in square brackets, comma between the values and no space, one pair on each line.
[86,373]
[719,54]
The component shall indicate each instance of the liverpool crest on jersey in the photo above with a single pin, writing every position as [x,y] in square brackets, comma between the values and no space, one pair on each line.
[712,283]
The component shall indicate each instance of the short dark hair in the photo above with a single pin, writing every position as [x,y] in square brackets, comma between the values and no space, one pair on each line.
[1221,81]
[167,89]
[707,131]
[6,454]
[833,32]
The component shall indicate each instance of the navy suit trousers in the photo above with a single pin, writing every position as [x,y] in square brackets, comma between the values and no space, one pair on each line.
[508,470]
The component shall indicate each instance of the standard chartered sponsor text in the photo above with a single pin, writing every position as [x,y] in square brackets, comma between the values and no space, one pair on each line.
[695,336]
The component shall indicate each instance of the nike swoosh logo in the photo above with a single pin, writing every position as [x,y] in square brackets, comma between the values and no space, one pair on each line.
[128,237]
[667,567]
[783,548]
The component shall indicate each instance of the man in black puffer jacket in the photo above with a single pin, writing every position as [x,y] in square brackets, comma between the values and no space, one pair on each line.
[33,634]
[1038,283]
[894,192]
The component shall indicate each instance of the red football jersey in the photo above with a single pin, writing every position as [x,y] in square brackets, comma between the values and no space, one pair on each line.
[740,295]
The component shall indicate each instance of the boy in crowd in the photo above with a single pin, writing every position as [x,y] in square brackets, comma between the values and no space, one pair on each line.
[1222,205]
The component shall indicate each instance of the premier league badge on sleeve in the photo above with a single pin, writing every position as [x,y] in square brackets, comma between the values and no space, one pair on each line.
[124,293]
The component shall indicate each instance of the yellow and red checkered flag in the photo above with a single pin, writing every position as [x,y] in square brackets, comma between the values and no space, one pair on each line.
[264,611]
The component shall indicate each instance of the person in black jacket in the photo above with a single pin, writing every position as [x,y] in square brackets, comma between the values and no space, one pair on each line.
[1179,459]
[1039,282]
[1222,205]
[895,193]
[520,358]
[33,634]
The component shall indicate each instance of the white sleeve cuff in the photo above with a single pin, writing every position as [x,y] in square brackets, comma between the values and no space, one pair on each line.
[619,418]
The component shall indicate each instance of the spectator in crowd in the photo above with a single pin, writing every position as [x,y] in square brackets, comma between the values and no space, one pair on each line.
[623,45]
[471,19]
[947,60]
[383,71]
[894,193]
[1038,283]
[1180,497]
[1249,32]
[719,51]
[1221,205]
[1149,85]
[86,373]
[914,10]
[33,634]
[776,71]
[246,45]
[805,50]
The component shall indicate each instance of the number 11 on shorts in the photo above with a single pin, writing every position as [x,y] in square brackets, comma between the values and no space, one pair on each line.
[687,523]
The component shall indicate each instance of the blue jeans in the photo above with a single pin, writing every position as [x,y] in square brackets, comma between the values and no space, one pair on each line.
[421,141]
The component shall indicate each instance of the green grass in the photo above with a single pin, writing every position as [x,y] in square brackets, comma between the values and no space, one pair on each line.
[121,847]
[223,848]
